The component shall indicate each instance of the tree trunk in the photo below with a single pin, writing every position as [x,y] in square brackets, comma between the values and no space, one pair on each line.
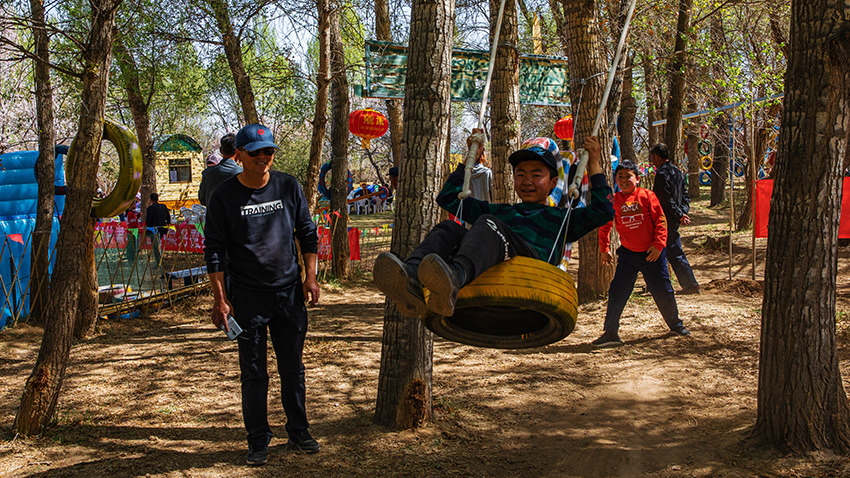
[673,128]
[616,95]
[504,101]
[40,241]
[404,383]
[233,52]
[651,105]
[41,391]
[720,167]
[383,32]
[84,325]
[802,405]
[339,145]
[628,112]
[693,161]
[141,120]
[320,116]
[582,45]
[720,162]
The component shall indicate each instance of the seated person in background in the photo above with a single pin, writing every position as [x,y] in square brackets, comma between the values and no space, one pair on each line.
[451,256]
[642,227]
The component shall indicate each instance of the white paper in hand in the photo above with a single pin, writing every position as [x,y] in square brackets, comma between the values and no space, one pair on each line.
[234,331]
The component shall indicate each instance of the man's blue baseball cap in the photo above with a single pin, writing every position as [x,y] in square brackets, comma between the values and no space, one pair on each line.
[255,136]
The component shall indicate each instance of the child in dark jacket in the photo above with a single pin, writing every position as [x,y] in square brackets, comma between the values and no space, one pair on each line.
[451,256]
[642,227]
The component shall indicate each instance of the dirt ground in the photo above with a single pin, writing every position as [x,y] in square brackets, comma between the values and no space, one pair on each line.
[159,396]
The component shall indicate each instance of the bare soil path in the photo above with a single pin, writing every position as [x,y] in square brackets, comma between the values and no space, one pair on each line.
[159,396]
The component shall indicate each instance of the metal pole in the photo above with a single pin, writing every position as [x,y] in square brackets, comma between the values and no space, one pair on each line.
[753,178]
[731,192]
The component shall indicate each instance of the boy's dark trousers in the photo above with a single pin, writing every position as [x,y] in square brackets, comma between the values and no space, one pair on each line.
[282,315]
[678,260]
[488,242]
[657,279]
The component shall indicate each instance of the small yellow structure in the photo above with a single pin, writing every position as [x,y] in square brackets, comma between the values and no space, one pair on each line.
[179,164]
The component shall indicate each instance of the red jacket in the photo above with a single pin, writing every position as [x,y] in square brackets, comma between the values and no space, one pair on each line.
[640,222]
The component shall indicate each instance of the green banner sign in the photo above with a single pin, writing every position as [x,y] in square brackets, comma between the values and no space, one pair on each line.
[543,80]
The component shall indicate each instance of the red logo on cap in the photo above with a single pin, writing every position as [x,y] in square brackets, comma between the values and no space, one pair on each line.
[261,132]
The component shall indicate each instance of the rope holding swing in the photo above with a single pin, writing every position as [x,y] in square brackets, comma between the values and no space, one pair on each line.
[477,140]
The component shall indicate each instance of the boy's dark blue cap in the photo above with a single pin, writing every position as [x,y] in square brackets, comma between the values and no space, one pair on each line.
[255,136]
[531,154]
[394,171]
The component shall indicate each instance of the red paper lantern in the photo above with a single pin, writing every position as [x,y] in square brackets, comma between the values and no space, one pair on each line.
[367,124]
[564,128]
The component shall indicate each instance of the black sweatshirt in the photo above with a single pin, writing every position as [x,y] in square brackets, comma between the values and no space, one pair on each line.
[672,193]
[255,229]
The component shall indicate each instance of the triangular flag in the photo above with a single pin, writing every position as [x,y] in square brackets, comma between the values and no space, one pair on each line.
[134,232]
[336,213]
[16,237]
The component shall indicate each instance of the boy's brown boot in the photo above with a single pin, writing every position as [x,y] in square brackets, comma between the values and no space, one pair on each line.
[398,281]
[443,281]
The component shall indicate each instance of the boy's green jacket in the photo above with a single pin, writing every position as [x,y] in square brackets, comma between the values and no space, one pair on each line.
[538,224]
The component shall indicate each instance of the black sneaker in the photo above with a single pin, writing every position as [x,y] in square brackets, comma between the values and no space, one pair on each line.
[607,341]
[443,283]
[681,331]
[302,441]
[398,281]
[257,455]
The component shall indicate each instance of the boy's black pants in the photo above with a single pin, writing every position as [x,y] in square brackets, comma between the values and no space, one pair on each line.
[488,242]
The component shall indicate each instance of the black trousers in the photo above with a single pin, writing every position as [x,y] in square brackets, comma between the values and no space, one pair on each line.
[488,242]
[677,259]
[282,315]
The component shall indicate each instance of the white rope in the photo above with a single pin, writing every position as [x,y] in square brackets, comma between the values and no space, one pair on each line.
[472,153]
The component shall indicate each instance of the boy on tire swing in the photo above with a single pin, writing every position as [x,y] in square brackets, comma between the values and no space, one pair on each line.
[642,228]
[451,256]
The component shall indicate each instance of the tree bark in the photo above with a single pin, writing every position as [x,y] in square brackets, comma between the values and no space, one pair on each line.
[42,388]
[404,383]
[692,156]
[582,45]
[720,164]
[628,112]
[233,52]
[651,106]
[84,325]
[320,116]
[802,405]
[673,128]
[340,261]
[504,101]
[383,32]
[141,119]
[45,168]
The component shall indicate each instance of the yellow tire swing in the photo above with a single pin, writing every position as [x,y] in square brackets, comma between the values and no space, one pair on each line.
[522,302]
[129,173]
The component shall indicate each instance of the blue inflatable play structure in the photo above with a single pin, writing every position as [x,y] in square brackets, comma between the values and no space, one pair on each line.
[18,202]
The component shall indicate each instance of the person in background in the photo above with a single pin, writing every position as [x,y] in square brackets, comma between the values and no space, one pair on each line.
[481,180]
[672,193]
[157,219]
[218,173]
[642,227]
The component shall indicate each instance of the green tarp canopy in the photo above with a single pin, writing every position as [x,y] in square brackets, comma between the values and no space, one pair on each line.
[543,80]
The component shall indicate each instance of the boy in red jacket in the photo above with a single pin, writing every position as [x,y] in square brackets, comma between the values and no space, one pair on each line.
[642,228]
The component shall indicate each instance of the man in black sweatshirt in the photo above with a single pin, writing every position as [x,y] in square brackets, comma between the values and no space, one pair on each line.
[672,193]
[253,220]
